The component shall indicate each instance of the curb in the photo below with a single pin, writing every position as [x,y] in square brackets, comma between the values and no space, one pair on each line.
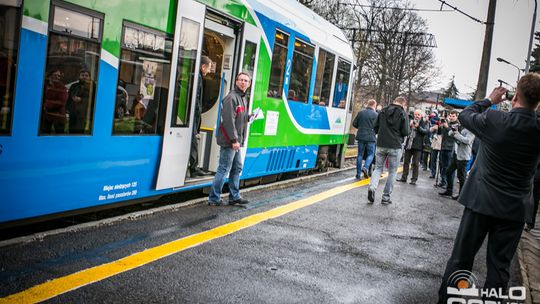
[528,254]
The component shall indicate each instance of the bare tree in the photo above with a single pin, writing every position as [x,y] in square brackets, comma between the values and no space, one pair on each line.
[392,56]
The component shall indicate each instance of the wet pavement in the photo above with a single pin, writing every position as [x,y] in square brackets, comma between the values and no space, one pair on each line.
[336,250]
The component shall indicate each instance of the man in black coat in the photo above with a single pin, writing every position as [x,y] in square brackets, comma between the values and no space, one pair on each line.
[366,138]
[414,146]
[498,193]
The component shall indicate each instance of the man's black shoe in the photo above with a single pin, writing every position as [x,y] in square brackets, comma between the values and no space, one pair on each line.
[198,172]
[210,203]
[441,185]
[403,180]
[358,177]
[432,176]
[445,193]
[455,197]
[240,201]
[371,196]
[365,171]
[413,182]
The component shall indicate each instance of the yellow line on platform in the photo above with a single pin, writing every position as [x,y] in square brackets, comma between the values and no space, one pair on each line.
[56,287]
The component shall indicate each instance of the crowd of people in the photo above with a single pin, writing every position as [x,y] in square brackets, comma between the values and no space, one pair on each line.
[500,192]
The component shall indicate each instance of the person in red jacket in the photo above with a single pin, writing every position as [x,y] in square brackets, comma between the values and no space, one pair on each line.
[55,96]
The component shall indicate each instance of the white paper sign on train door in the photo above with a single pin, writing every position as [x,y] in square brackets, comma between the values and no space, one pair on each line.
[183,86]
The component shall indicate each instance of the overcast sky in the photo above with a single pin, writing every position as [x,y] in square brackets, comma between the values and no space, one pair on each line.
[460,40]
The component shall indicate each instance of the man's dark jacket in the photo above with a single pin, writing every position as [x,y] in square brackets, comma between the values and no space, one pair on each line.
[447,141]
[392,125]
[234,119]
[500,182]
[419,135]
[364,122]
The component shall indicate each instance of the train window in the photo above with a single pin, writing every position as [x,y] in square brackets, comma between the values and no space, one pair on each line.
[10,27]
[302,64]
[143,80]
[323,81]
[277,70]
[187,55]
[69,90]
[342,82]
[249,61]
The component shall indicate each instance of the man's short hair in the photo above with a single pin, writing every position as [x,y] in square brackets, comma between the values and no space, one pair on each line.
[400,100]
[205,60]
[455,112]
[529,89]
[243,73]
[371,103]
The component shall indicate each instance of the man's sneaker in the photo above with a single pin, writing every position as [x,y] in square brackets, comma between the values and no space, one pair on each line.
[413,182]
[371,196]
[210,203]
[239,201]
[386,201]
[455,197]
[365,171]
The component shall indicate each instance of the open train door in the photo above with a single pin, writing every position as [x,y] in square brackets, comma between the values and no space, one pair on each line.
[248,64]
[183,86]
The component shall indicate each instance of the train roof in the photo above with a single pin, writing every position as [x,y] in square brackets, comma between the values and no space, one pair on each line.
[298,17]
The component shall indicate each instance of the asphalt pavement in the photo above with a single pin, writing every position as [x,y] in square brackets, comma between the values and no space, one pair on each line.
[304,243]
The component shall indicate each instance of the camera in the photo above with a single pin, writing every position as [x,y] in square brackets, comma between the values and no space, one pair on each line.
[443,120]
[510,95]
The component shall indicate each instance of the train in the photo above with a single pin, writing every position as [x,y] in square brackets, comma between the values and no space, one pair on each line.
[97,97]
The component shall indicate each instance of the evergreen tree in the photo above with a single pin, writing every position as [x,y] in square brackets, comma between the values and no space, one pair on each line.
[452,91]
[535,64]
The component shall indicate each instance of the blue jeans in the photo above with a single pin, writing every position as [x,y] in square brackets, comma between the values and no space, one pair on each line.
[370,148]
[393,156]
[230,163]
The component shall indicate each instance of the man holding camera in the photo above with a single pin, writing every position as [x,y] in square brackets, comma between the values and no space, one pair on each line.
[498,193]
[447,144]
[463,144]
[419,128]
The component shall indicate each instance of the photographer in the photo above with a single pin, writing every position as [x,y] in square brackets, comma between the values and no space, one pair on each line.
[447,144]
[498,192]
[419,128]
[463,144]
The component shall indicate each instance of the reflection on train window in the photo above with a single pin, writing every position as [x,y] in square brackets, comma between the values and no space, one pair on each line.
[323,81]
[69,90]
[277,70]
[187,55]
[342,81]
[10,27]
[248,65]
[302,65]
[143,80]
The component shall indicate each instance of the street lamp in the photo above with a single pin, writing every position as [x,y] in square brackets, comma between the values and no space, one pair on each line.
[499,59]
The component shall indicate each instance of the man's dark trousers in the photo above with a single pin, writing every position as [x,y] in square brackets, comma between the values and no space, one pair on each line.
[461,167]
[503,239]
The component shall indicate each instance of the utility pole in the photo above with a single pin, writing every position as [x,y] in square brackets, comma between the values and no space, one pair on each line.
[486,54]
[531,39]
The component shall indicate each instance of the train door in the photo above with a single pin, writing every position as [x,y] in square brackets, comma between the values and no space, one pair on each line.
[184,74]
[220,44]
[248,64]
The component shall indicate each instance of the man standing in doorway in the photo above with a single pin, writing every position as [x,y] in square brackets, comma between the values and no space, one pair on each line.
[392,125]
[498,192]
[230,137]
[194,169]
[365,136]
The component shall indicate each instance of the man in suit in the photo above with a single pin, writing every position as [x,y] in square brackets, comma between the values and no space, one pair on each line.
[498,192]
[365,136]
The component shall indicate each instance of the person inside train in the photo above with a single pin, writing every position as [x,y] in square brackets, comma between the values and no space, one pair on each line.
[79,103]
[195,171]
[55,97]
[139,108]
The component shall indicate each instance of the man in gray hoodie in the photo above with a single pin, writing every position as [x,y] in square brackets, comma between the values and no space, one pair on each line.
[230,137]
[392,125]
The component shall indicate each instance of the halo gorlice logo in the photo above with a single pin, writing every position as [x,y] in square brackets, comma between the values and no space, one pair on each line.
[462,289]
